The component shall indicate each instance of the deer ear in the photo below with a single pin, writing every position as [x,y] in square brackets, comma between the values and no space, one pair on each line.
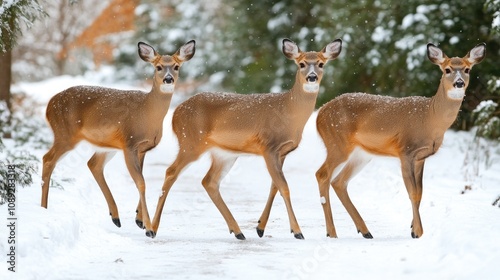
[146,52]
[186,52]
[477,54]
[290,49]
[332,50]
[435,54]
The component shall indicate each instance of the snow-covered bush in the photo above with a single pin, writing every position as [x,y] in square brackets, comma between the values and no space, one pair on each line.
[485,142]
[487,120]
[14,152]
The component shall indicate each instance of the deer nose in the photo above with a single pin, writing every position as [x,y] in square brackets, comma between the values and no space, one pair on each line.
[168,79]
[459,83]
[312,78]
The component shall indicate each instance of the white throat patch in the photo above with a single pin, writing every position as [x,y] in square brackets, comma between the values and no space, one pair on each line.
[312,88]
[167,88]
[456,93]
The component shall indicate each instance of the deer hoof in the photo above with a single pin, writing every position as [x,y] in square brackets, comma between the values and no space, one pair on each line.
[116,221]
[299,236]
[240,236]
[150,233]
[414,235]
[260,232]
[368,235]
[139,223]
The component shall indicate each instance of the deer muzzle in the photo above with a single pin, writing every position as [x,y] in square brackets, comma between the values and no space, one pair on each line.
[458,90]
[168,84]
[312,78]
[459,83]
[168,79]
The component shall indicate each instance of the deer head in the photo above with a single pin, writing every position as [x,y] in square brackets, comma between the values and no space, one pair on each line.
[166,66]
[456,70]
[311,64]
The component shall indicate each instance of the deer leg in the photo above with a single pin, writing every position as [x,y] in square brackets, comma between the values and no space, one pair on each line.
[49,163]
[275,169]
[211,183]
[138,215]
[323,176]
[419,172]
[264,217]
[138,210]
[335,156]
[96,165]
[134,167]
[339,184]
[182,160]
[412,171]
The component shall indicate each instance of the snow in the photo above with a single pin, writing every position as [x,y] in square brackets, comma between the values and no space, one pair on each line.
[496,20]
[485,104]
[75,239]
[6,4]
[381,35]
[280,20]
[496,16]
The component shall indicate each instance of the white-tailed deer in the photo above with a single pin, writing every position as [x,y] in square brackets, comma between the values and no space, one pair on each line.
[269,125]
[410,128]
[131,121]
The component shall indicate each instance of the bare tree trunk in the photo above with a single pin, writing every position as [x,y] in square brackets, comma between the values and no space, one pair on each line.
[5,76]
[6,72]
[5,80]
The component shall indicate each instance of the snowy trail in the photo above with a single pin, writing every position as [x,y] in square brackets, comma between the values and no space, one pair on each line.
[75,239]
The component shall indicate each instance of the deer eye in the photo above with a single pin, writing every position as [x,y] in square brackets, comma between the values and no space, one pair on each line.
[302,65]
[447,70]
[467,70]
[159,68]
[176,67]
[321,65]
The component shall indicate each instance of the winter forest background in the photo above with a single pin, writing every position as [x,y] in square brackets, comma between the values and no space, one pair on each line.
[239,43]
[46,46]
[238,48]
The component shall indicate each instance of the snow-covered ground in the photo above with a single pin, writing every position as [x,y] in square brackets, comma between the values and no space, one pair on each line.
[75,239]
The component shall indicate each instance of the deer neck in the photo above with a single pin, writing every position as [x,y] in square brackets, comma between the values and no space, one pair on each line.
[158,102]
[444,110]
[301,103]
